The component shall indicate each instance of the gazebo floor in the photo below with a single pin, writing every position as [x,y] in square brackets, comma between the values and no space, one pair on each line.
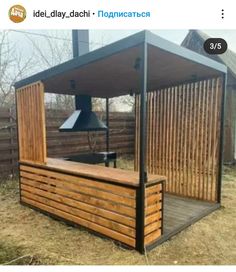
[181,212]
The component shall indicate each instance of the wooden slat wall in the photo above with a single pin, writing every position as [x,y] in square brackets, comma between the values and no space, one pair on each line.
[105,208]
[183,137]
[31,123]
[153,213]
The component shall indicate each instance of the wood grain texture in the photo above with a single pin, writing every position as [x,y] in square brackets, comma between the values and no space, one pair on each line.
[153,213]
[31,123]
[179,211]
[113,175]
[109,209]
[185,123]
[105,208]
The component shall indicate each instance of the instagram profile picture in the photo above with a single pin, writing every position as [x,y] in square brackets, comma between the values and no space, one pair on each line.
[17,13]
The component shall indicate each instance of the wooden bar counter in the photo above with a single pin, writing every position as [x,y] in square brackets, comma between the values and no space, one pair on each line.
[99,198]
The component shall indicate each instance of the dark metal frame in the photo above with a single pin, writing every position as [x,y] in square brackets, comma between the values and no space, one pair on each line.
[221,147]
[140,205]
[162,210]
[108,129]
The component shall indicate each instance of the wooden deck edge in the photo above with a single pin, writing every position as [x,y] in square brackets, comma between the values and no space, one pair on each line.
[167,236]
[79,227]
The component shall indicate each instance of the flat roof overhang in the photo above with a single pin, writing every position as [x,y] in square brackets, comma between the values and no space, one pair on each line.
[112,70]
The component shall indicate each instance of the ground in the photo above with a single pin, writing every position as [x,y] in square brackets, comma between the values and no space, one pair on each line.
[28,237]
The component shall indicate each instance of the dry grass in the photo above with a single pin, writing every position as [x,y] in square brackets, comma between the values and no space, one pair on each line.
[42,240]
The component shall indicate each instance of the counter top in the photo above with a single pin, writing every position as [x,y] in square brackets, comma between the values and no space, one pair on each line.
[114,175]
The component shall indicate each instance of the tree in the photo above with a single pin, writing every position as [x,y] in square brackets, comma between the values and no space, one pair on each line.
[12,68]
[56,49]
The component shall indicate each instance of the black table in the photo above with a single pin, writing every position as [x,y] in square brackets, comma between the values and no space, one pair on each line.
[94,158]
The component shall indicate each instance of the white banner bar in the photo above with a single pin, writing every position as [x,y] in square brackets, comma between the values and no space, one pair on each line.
[118,14]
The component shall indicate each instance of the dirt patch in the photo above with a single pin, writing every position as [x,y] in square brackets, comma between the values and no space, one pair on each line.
[25,232]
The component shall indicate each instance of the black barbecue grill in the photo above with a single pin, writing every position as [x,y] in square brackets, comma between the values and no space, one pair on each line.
[94,158]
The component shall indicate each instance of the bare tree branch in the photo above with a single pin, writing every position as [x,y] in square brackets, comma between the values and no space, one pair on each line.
[12,68]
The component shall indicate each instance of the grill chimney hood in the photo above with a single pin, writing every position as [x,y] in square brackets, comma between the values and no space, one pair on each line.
[83,118]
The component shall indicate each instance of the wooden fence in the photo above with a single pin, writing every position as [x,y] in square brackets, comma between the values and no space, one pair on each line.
[64,144]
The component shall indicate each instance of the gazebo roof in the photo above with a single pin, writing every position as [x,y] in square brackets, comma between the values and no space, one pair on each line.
[112,70]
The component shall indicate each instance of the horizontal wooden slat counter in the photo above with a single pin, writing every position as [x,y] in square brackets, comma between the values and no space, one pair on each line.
[99,198]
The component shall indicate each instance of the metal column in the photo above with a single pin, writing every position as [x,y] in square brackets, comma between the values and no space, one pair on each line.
[107,132]
[221,147]
[140,203]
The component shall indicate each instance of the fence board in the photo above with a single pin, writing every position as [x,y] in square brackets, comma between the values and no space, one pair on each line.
[122,127]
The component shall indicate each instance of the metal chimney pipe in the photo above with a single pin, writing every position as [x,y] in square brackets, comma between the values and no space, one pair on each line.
[80,42]
[80,46]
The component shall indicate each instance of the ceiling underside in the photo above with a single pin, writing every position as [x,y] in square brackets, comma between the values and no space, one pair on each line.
[112,71]
[116,75]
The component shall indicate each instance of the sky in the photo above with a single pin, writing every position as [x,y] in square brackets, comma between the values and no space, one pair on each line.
[175,36]
[100,38]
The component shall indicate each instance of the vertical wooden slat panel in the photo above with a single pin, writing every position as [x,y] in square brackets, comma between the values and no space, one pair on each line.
[182,141]
[201,116]
[31,103]
[149,122]
[159,132]
[209,141]
[184,128]
[161,147]
[169,140]
[137,114]
[190,139]
[198,109]
[150,126]
[169,128]
[31,123]
[185,140]
[204,155]
[214,142]
[174,141]
[178,140]
[154,130]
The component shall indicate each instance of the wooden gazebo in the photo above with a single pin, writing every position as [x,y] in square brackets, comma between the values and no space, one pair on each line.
[179,134]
